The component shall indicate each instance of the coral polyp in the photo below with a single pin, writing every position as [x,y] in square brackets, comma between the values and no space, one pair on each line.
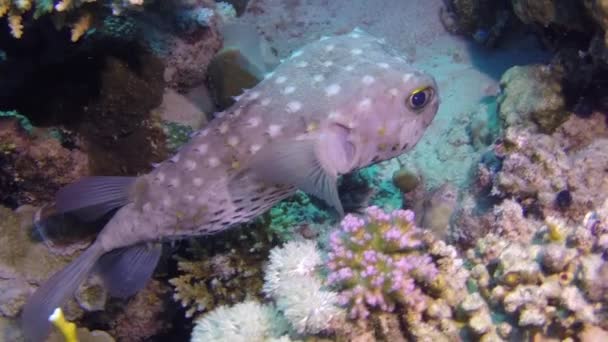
[378,263]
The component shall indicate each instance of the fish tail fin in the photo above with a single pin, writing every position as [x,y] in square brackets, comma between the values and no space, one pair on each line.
[54,292]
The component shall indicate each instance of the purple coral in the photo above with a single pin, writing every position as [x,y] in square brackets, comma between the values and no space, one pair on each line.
[377,262]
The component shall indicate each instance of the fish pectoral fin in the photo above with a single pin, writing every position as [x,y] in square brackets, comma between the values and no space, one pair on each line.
[92,197]
[127,270]
[295,163]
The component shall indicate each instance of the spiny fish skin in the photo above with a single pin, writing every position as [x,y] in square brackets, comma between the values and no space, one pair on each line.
[353,87]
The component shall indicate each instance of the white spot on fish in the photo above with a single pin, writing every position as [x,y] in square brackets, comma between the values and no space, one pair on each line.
[354,35]
[318,78]
[201,149]
[265,102]
[356,51]
[332,90]
[274,130]
[223,128]
[327,64]
[254,95]
[349,67]
[365,104]
[302,64]
[280,79]
[190,165]
[294,106]
[269,75]
[407,77]
[296,54]
[368,79]
[233,141]
[289,90]
[335,115]
[383,65]
[213,162]
[329,47]
[254,122]
[254,148]
[394,92]
[174,182]
[197,181]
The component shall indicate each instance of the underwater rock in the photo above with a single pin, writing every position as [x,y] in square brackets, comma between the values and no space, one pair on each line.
[229,73]
[24,264]
[33,168]
[145,315]
[186,56]
[532,96]
[439,206]
[563,14]
[177,108]
[405,180]
[484,21]
[121,136]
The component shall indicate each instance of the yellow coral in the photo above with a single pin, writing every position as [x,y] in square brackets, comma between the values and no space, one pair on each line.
[67,329]
[555,231]
[15,22]
[5,5]
[81,26]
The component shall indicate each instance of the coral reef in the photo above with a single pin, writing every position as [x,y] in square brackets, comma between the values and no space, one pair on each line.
[292,281]
[552,281]
[223,271]
[537,167]
[383,262]
[247,321]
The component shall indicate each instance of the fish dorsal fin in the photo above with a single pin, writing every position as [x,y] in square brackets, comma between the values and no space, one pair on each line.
[295,162]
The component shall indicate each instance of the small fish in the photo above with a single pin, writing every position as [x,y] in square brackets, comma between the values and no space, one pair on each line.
[336,105]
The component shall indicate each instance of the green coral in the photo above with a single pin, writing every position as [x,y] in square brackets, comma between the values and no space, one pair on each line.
[177,134]
[24,122]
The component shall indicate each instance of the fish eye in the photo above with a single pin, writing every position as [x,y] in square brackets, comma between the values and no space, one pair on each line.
[420,97]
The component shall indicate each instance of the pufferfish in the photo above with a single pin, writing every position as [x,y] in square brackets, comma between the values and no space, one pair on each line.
[336,105]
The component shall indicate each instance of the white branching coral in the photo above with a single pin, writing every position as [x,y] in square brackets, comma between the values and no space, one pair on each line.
[244,322]
[291,280]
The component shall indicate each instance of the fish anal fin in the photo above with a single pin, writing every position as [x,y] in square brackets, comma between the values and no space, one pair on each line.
[125,271]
